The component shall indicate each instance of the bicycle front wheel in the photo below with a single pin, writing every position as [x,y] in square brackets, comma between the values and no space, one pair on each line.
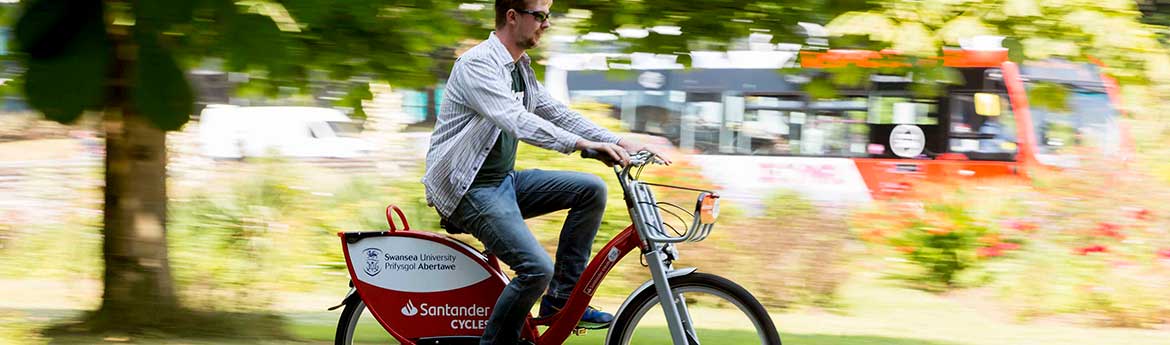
[353,329]
[717,310]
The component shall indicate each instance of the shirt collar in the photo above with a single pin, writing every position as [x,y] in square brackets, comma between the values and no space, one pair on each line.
[501,52]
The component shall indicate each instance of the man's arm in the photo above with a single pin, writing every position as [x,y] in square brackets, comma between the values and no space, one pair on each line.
[491,96]
[556,112]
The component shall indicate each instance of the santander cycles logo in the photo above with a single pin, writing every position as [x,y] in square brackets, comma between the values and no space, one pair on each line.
[409,309]
[464,317]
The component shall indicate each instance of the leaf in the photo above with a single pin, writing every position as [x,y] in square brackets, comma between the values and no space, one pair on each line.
[354,97]
[68,76]
[1050,96]
[161,92]
[1016,49]
[821,89]
[161,15]
[254,40]
[46,28]
[915,39]
[877,26]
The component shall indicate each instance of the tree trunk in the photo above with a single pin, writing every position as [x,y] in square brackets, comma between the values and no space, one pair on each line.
[432,113]
[138,292]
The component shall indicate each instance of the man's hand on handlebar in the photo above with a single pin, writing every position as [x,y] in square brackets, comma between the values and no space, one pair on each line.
[636,146]
[614,151]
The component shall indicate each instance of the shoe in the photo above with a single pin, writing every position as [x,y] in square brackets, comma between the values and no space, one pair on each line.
[593,318]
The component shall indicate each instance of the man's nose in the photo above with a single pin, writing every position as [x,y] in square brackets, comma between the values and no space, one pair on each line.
[547,22]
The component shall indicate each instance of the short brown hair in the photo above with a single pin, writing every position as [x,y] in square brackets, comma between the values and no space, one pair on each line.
[502,7]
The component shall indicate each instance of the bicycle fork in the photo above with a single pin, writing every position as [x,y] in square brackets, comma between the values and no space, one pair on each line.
[678,316]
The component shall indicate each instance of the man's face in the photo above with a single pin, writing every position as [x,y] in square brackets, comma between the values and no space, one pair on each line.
[529,26]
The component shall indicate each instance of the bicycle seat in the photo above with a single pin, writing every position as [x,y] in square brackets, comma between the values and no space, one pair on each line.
[451,228]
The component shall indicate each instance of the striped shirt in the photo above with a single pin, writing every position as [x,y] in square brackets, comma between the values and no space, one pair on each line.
[479,103]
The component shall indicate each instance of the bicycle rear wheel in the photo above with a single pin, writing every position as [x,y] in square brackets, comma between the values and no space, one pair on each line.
[353,329]
[720,312]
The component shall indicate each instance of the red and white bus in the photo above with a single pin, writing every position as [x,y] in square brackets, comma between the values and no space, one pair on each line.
[759,129]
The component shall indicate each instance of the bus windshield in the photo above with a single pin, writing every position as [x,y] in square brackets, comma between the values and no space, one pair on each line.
[1088,120]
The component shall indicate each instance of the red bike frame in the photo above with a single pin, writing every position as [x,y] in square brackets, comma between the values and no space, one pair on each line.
[383,304]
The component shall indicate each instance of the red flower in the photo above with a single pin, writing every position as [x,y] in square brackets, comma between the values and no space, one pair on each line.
[1120,263]
[989,252]
[989,239]
[1139,213]
[1021,225]
[874,235]
[1007,246]
[1097,248]
[1164,253]
[1107,229]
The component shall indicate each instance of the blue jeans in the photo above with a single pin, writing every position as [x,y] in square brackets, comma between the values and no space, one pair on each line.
[495,216]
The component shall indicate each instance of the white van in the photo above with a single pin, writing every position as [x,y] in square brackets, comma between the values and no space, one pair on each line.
[234,132]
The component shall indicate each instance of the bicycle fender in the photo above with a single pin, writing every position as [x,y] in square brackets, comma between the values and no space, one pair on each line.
[647,285]
[350,298]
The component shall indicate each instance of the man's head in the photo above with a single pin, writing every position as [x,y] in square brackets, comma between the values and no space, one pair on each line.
[523,21]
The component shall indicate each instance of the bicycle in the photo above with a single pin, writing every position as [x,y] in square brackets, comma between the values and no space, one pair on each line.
[429,288]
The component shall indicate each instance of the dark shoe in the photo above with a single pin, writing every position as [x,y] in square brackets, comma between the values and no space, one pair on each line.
[593,318]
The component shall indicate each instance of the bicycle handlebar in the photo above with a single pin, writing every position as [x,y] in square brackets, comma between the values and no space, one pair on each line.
[598,155]
[637,159]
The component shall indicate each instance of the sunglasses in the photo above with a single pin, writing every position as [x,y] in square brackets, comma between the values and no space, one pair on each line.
[539,15]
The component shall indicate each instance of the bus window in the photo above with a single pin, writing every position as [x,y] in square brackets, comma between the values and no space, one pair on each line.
[836,128]
[770,125]
[887,111]
[788,125]
[702,119]
[1087,120]
[981,137]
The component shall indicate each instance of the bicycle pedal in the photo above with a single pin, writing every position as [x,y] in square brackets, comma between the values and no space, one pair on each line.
[580,331]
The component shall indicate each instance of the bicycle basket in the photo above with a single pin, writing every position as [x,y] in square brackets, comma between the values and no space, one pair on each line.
[667,229]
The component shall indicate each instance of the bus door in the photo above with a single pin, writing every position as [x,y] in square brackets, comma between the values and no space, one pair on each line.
[981,138]
[905,134]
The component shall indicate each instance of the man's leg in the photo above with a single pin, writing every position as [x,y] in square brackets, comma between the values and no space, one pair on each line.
[492,216]
[539,192]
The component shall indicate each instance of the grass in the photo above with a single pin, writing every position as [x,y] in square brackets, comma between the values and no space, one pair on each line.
[876,312]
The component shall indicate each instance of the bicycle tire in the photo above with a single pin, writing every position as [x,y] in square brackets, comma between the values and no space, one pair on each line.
[624,327]
[348,322]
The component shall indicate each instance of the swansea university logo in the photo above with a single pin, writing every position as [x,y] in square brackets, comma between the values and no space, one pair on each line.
[373,266]
[409,309]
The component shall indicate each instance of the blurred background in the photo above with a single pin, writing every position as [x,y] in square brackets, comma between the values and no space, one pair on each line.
[893,172]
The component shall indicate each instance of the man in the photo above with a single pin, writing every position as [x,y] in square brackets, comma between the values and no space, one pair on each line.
[493,101]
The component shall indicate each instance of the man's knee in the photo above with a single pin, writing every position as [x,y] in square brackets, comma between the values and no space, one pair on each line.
[593,188]
[537,272]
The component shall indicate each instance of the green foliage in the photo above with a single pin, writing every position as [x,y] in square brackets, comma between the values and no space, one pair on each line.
[803,249]
[164,96]
[68,54]
[1049,96]
[706,25]
[265,230]
[941,237]
[16,330]
[280,44]
[353,99]
[1094,237]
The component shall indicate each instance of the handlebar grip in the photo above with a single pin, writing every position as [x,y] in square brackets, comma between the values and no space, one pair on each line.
[598,155]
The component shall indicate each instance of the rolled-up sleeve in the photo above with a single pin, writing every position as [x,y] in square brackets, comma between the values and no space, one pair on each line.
[486,90]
